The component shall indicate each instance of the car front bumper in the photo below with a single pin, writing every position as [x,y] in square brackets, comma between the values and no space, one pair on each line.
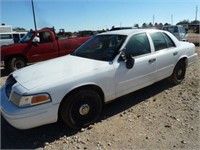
[29,117]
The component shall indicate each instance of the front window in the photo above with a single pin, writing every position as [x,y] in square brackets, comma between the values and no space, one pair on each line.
[101,47]
[27,37]
[138,45]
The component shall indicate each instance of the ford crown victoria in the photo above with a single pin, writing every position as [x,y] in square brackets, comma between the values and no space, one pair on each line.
[109,65]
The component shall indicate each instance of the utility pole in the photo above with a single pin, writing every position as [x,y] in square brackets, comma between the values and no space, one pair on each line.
[153,19]
[196,12]
[172,19]
[34,15]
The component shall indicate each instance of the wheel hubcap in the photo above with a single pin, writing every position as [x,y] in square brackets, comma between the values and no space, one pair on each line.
[84,109]
[19,64]
[180,72]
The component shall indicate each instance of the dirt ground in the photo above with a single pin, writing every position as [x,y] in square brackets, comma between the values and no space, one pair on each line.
[161,116]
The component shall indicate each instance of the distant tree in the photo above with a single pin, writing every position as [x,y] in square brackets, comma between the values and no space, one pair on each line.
[183,22]
[19,29]
[156,24]
[136,25]
[144,25]
[160,25]
[195,22]
[195,25]
[166,24]
[150,25]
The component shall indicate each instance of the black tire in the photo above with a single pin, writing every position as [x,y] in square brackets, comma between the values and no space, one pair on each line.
[16,63]
[81,108]
[178,73]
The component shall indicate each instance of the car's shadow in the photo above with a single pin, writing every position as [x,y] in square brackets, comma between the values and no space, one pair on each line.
[12,138]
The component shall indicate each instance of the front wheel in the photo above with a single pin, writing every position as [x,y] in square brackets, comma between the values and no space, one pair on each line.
[178,73]
[16,63]
[81,108]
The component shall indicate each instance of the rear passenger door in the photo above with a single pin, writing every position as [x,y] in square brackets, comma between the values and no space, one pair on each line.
[165,52]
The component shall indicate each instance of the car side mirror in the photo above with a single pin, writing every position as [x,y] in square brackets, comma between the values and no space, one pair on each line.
[35,41]
[130,61]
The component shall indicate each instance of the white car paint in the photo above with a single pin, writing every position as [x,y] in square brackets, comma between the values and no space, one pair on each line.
[57,77]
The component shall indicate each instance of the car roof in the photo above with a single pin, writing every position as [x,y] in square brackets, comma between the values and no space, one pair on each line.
[129,31]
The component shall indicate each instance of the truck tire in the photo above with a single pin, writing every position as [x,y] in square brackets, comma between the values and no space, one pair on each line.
[16,63]
[179,73]
[81,108]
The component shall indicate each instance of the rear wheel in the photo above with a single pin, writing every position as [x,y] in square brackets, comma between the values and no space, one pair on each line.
[16,63]
[178,73]
[81,109]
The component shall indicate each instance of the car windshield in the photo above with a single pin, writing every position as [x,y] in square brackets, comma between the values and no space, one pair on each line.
[26,37]
[101,47]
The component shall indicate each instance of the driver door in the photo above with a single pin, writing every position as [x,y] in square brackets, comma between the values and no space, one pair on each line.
[45,49]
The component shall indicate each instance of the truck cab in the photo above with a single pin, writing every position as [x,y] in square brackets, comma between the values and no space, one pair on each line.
[37,46]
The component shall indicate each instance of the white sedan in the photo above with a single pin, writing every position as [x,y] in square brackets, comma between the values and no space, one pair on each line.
[107,66]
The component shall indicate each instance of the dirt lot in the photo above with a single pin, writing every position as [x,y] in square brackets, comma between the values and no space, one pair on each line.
[161,116]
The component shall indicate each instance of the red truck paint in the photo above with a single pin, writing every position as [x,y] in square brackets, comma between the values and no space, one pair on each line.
[16,56]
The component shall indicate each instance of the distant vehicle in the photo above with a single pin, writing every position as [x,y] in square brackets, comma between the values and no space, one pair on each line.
[178,31]
[37,46]
[5,28]
[122,28]
[6,39]
[109,65]
[8,36]
[63,35]
[85,33]
[17,36]
[11,38]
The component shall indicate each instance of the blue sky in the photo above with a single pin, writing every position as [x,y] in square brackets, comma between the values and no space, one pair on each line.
[75,15]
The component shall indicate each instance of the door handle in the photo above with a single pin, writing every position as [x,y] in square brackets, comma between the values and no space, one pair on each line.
[175,53]
[152,60]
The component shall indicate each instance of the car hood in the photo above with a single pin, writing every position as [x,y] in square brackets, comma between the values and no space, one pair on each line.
[11,46]
[11,49]
[67,67]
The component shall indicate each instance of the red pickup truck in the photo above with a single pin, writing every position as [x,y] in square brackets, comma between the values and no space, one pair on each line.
[38,46]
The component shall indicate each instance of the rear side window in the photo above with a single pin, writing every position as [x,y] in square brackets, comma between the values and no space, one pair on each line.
[159,41]
[5,36]
[182,30]
[169,41]
[175,29]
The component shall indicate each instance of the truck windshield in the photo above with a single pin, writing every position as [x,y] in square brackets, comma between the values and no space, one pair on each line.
[26,37]
[101,47]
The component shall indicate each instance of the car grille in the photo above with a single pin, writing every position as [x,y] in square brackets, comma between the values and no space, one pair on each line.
[9,83]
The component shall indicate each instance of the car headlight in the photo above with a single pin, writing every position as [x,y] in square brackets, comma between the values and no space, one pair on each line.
[24,101]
